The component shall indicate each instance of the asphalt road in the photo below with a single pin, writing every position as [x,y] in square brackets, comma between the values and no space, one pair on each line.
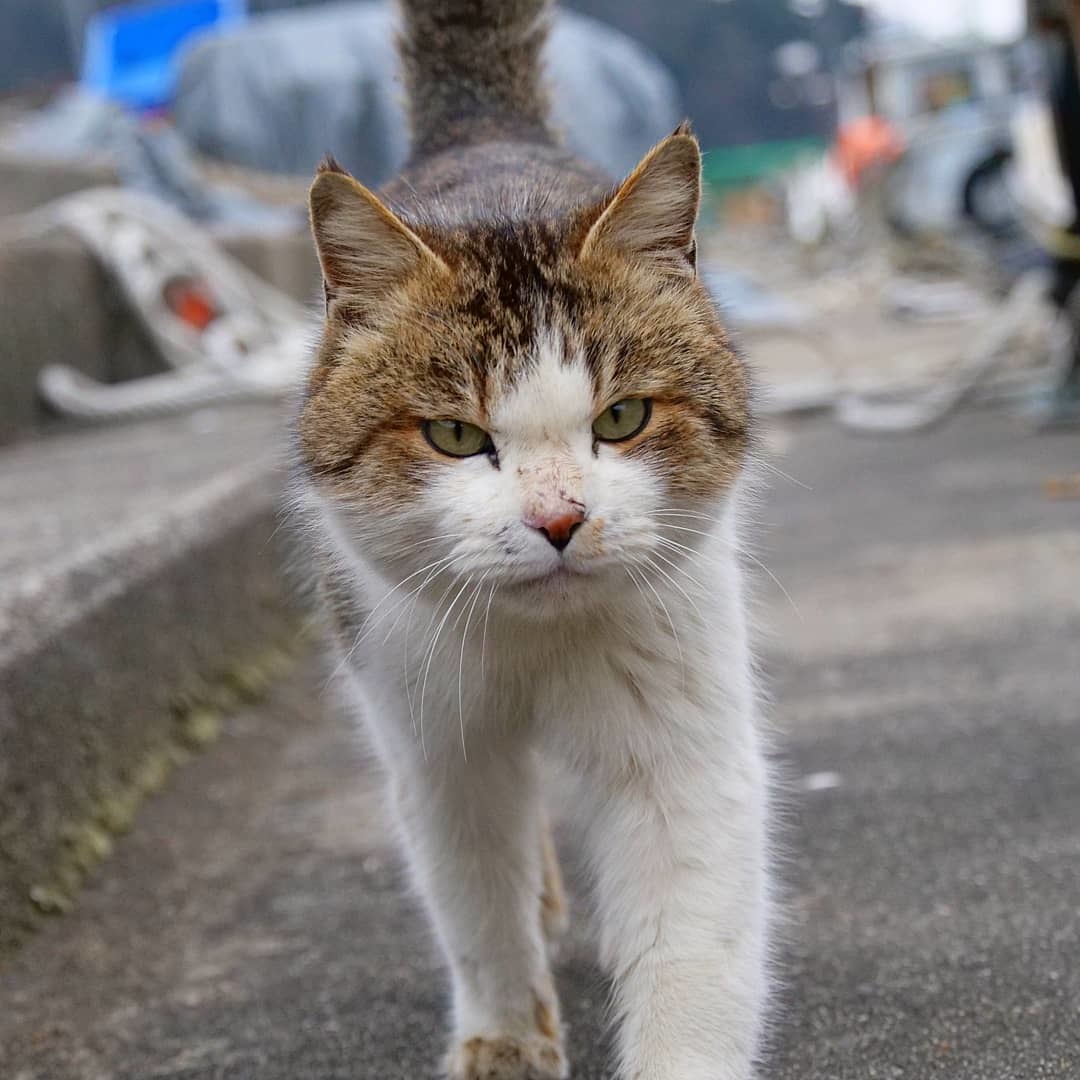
[926,702]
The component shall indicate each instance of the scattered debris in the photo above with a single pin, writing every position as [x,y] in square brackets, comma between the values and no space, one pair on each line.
[822,781]
[1026,301]
[1062,487]
[933,301]
[224,333]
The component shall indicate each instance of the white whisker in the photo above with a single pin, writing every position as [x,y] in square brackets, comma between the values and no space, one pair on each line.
[745,554]
[431,657]
[671,623]
[675,584]
[487,615]
[648,602]
[361,633]
[461,661]
[673,512]
[423,652]
[780,472]
[386,596]
[430,540]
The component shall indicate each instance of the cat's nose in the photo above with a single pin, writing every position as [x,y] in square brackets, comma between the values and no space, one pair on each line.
[558,527]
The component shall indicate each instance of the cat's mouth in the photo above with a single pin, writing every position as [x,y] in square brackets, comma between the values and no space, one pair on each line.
[555,576]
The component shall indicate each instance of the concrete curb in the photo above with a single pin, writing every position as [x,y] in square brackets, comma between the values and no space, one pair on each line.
[113,665]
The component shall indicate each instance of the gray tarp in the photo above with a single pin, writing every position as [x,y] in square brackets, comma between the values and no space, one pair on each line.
[283,90]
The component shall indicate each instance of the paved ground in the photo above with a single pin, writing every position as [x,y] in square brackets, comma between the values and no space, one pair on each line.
[138,573]
[928,716]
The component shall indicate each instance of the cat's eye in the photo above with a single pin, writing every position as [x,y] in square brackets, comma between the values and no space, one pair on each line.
[622,420]
[456,438]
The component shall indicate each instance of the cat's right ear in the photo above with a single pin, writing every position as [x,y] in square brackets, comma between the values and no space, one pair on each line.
[652,214]
[365,250]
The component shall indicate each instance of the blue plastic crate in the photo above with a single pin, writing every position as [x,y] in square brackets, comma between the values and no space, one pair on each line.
[131,50]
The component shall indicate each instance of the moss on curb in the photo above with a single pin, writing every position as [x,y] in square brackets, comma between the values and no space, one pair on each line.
[199,712]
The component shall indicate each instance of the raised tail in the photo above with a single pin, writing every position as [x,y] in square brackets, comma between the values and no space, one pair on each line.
[473,71]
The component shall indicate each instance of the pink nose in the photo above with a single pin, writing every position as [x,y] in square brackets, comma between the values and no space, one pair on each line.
[557,526]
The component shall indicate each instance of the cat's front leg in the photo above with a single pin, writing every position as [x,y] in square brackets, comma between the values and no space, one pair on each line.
[472,830]
[679,855]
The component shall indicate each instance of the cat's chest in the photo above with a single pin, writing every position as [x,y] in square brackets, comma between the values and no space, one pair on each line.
[597,679]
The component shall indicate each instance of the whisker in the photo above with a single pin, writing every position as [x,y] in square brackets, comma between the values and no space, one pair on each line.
[429,540]
[780,472]
[671,623]
[414,595]
[361,632]
[686,528]
[461,662]
[431,657]
[685,548]
[776,581]
[431,622]
[691,554]
[487,615]
[673,512]
[681,510]
[284,520]
[648,602]
[390,592]
[675,584]
[743,552]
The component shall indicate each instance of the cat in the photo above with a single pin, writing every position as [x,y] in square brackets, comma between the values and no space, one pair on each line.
[523,443]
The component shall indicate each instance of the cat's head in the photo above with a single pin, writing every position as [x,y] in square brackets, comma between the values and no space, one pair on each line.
[531,399]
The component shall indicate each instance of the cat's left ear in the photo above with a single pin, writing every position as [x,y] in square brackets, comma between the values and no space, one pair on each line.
[653,213]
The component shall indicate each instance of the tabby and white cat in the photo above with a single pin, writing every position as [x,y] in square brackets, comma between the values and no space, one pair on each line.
[522,443]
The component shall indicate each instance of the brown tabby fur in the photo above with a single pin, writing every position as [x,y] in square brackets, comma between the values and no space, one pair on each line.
[506,214]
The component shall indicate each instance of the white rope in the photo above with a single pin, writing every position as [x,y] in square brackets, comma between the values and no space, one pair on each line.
[253,347]
[1027,300]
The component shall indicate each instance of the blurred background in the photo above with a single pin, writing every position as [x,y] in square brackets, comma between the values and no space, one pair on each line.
[891,228]
[919,153]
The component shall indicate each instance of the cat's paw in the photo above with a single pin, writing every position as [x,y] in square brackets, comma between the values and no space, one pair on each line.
[507,1059]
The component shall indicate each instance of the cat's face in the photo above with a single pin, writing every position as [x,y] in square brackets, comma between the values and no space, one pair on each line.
[528,408]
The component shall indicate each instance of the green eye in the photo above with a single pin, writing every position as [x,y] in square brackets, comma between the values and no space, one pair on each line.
[623,419]
[456,438]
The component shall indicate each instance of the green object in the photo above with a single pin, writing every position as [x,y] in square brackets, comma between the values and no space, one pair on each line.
[731,167]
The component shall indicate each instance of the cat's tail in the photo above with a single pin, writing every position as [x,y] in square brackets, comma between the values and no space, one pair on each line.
[473,71]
